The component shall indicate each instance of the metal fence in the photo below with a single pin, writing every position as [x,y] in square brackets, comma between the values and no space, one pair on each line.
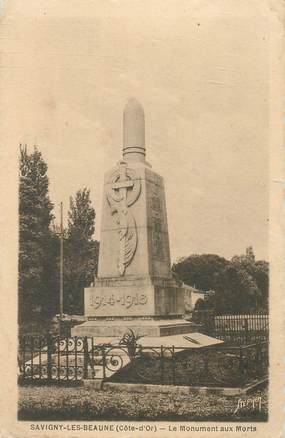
[53,359]
[211,366]
[242,328]
[234,329]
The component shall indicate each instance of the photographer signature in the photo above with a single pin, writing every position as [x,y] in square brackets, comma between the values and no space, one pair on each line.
[253,403]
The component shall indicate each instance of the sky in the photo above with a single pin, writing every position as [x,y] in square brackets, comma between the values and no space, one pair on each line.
[201,73]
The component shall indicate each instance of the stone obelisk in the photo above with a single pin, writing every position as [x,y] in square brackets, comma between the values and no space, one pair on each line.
[134,287]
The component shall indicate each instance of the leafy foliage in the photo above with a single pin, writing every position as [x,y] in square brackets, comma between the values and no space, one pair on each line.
[258,273]
[81,217]
[35,215]
[235,291]
[80,251]
[39,244]
[240,284]
[200,271]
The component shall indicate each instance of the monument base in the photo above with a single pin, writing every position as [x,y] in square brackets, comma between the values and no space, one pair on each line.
[134,296]
[150,306]
[117,328]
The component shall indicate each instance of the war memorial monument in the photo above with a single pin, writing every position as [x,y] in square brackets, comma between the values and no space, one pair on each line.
[135,287]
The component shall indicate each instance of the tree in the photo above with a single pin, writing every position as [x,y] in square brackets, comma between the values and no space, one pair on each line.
[235,291]
[240,285]
[259,273]
[80,251]
[35,215]
[81,217]
[51,276]
[200,271]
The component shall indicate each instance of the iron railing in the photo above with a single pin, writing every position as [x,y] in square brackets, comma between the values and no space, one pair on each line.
[54,359]
[242,328]
[234,329]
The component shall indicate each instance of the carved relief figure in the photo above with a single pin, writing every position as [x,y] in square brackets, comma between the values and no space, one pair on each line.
[124,191]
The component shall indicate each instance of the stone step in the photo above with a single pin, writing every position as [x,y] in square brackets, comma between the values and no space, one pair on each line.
[118,327]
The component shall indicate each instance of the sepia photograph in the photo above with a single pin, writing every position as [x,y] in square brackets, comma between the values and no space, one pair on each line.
[141,133]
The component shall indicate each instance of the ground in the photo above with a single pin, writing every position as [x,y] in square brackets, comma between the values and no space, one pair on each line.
[81,403]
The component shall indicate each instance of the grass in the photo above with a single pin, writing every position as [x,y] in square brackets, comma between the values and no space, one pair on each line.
[81,403]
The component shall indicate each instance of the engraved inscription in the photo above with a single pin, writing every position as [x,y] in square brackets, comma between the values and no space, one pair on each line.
[155,203]
[157,237]
[124,300]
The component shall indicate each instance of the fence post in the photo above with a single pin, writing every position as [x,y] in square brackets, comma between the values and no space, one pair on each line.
[246,329]
[104,362]
[58,358]
[32,357]
[75,357]
[49,357]
[40,357]
[173,365]
[86,357]
[161,364]
[92,358]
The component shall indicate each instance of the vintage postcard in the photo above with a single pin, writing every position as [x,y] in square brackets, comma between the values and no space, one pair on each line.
[142,176]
